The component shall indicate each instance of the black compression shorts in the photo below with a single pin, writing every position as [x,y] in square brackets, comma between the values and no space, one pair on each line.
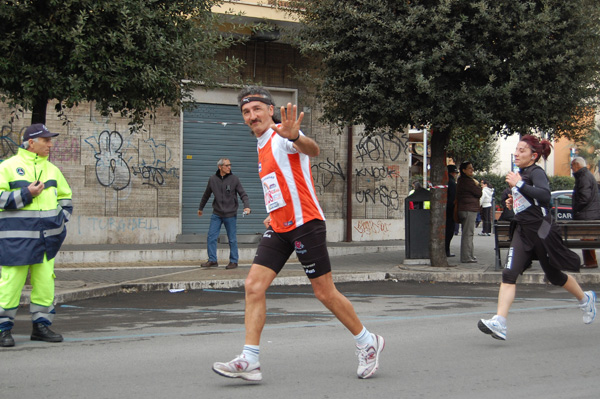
[309,242]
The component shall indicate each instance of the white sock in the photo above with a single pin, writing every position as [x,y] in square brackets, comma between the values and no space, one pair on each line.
[251,353]
[585,299]
[364,338]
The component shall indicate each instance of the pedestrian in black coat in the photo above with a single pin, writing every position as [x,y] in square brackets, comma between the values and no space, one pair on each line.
[586,203]
[450,204]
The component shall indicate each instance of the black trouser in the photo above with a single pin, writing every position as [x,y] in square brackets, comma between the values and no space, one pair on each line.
[524,246]
[449,232]
[486,219]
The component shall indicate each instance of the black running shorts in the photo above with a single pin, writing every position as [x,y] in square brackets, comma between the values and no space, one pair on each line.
[309,242]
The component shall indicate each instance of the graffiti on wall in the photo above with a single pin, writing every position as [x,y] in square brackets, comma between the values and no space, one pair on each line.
[372,228]
[380,147]
[377,166]
[118,159]
[152,175]
[381,194]
[65,150]
[9,142]
[381,179]
[379,172]
[152,170]
[325,172]
[111,169]
[90,224]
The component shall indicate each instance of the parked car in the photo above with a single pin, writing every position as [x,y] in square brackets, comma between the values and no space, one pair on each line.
[561,205]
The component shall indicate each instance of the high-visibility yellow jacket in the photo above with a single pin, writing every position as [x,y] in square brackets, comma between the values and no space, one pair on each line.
[30,227]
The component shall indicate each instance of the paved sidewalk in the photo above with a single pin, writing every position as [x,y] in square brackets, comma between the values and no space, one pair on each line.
[98,270]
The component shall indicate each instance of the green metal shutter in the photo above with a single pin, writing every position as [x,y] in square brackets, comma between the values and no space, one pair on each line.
[211,132]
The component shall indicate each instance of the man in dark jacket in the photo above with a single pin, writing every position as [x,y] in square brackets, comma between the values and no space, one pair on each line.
[452,175]
[226,187]
[586,203]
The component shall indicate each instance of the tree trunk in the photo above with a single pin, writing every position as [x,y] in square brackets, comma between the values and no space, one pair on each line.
[40,104]
[438,176]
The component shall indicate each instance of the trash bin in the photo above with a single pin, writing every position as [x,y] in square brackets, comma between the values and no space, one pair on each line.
[416,225]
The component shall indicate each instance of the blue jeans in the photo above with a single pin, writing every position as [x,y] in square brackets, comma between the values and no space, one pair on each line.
[213,234]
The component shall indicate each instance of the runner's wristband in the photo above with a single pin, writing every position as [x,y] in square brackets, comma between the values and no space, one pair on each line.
[519,184]
[296,139]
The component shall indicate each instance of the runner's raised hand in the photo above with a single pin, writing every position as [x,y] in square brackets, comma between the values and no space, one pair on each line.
[290,126]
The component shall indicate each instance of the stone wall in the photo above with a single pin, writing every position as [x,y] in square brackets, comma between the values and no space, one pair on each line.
[378,176]
[125,185]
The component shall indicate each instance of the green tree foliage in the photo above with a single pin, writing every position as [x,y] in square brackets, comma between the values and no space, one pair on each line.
[561,183]
[128,56]
[509,66]
[470,144]
[589,148]
[505,64]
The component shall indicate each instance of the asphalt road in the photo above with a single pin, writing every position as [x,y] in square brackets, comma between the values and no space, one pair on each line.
[161,344]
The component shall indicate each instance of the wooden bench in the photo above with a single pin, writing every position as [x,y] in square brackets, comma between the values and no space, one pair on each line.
[581,234]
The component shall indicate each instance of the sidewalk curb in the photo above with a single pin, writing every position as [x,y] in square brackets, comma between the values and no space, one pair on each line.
[484,277]
[350,270]
[405,276]
[132,287]
[137,256]
[81,294]
[237,283]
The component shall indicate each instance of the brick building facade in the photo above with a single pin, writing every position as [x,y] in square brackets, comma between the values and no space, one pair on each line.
[127,186]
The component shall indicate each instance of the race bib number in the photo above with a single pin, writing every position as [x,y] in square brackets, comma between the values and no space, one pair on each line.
[520,203]
[273,195]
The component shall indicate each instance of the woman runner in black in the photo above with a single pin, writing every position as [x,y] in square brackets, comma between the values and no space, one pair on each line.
[534,235]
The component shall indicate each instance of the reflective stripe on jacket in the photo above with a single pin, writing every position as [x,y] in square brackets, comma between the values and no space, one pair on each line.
[30,227]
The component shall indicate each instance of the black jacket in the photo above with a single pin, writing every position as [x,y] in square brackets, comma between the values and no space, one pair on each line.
[536,189]
[451,198]
[586,202]
[226,189]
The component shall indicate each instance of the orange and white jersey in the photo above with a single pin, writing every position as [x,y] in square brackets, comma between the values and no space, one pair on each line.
[287,181]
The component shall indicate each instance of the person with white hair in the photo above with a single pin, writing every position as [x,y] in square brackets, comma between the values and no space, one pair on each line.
[586,203]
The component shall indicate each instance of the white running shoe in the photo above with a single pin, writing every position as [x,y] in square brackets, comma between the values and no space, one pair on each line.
[589,308]
[239,368]
[493,327]
[368,358]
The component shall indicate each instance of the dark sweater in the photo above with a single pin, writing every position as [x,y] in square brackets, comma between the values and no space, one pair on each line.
[226,189]
[467,194]
[536,189]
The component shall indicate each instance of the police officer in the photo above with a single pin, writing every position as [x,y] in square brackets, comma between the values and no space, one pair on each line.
[35,204]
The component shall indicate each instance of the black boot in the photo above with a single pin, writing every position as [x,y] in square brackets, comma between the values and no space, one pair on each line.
[41,332]
[6,339]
